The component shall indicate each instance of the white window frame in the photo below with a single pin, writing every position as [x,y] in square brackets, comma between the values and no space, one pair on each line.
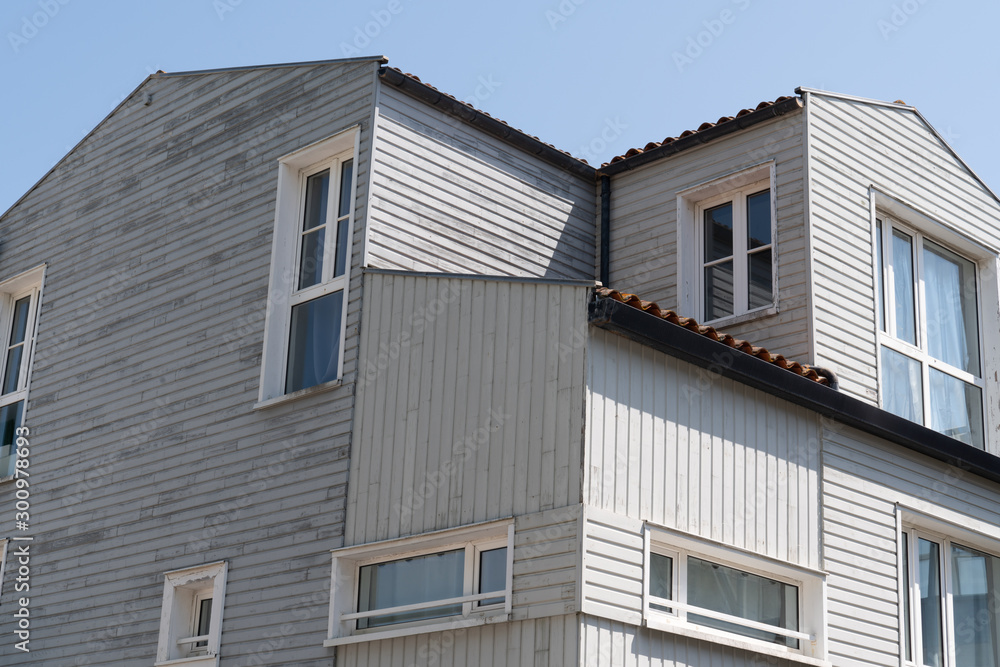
[917,524]
[691,205]
[27,284]
[3,561]
[811,603]
[283,292]
[918,352]
[342,628]
[182,589]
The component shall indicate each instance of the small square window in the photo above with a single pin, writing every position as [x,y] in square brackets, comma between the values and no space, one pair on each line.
[191,616]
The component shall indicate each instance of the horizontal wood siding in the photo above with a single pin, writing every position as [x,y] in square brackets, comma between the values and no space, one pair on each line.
[688,449]
[644,226]
[606,642]
[612,566]
[147,453]
[854,145]
[863,480]
[470,406]
[546,556]
[543,642]
[448,198]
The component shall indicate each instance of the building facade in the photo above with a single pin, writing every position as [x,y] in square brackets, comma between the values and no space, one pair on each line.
[310,366]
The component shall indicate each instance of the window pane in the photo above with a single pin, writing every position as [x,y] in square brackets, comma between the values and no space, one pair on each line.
[956,408]
[718,291]
[204,620]
[902,387]
[759,219]
[950,294]
[750,596]
[20,327]
[929,574]
[974,578]
[493,574]
[760,279]
[907,639]
[346,178]
[13,369]
[314,342]
[718,232]
[661,579]
[317,192]
[902,285]
[311,258]
[343,224]
[10,419]
[880,277]
[411,581]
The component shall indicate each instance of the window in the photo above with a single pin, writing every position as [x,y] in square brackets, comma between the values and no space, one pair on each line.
[950,591]
[310,268]
[928,321]
[696,586]
[191,617]
[426,583]
[19,300]
[3,562]
[729,225]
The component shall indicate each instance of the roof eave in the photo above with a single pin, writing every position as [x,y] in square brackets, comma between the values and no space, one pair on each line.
[678,342]
[506,133]
[703,136]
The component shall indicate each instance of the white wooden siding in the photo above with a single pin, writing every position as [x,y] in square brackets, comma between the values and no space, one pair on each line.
[545,642]
[644,226]
[677,445]
[606,642]
[146,450]
[447,198]
[854,146]
[546,557]
[477,410]
[612,567]
[863,481]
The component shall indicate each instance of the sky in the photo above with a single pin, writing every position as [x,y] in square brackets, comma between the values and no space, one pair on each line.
[593,78]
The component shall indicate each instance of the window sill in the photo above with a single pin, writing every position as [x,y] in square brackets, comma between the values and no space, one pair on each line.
[684,630]
[731,320]
[196,661]
[301,393]
[468,622]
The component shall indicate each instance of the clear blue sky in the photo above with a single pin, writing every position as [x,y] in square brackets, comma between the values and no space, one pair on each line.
[593,78]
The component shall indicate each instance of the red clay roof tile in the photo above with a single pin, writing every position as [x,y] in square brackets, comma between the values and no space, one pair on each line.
[710,332]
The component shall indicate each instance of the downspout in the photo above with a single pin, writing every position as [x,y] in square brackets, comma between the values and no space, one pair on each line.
[605,229]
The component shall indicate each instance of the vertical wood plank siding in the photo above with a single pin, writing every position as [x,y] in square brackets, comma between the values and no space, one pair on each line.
[544,642]
[147,454]
[470,404]
[606,642]
[449,199]
[644,225]
[679,446]
[854,146]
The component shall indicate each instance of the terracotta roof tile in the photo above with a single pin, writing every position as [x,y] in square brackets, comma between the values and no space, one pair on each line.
[710,332]
[701,128]
[417,79]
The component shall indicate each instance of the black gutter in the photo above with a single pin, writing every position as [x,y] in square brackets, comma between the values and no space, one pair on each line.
[605,230]
[502,131]
[719,358]
[703,136]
